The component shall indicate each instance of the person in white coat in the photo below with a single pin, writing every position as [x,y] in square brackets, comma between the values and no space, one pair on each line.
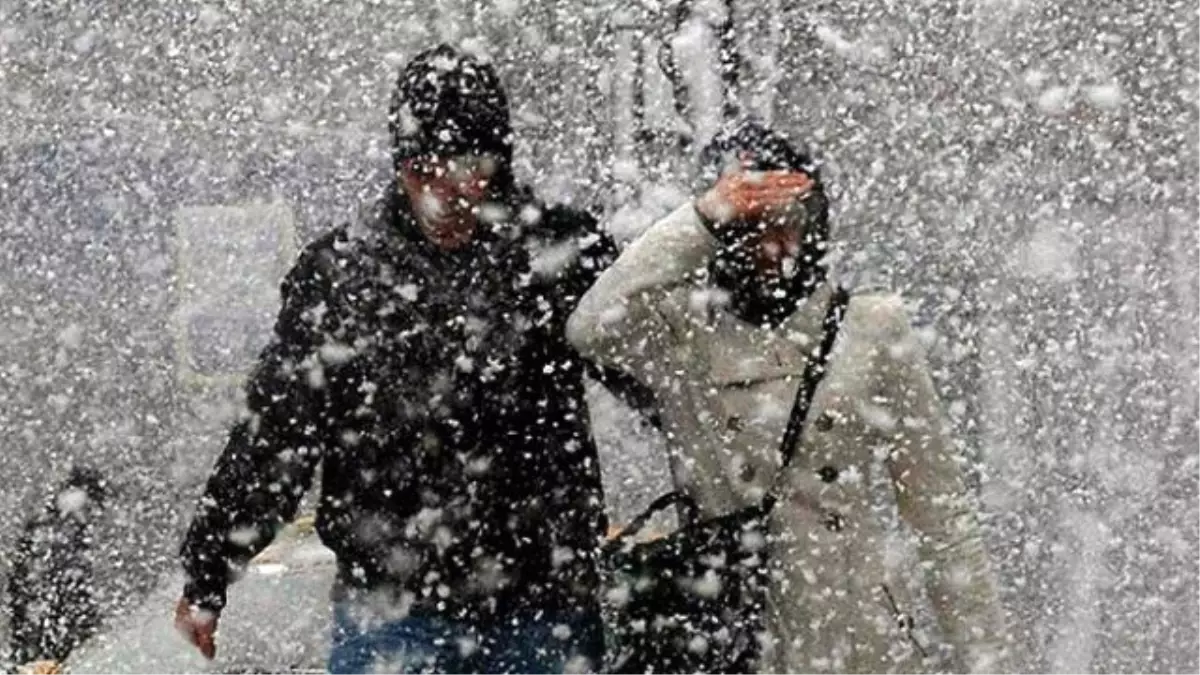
[716,307]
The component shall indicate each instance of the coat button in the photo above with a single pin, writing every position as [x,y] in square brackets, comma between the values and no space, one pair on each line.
[828,474]
[834,522]
[824,422]
[747,473]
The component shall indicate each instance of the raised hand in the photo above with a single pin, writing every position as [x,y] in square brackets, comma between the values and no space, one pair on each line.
[198,626]
[750,195]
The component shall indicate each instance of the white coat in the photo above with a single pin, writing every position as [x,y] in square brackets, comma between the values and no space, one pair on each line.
[846,580]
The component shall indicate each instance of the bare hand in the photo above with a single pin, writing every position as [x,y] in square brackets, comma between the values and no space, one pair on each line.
[198,626]
[750,195]
[40,668]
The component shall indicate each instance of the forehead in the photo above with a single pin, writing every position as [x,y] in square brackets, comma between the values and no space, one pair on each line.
[455,165]
[461,160]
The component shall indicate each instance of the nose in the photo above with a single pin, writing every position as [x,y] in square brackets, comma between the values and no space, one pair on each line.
[446,196]
[450,191]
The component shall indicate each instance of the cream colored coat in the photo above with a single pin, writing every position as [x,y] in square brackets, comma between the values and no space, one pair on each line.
[726,388]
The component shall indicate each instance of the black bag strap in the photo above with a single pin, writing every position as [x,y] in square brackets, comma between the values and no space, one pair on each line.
[814,370]
[672,498]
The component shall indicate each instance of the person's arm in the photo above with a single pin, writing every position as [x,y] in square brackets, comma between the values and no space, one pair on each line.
[597,252]
[23,594]
[618,323]
[933,498]
[269,459]
[52,607]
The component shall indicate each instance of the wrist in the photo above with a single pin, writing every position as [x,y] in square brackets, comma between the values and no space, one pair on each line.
[704,220]
[208,599]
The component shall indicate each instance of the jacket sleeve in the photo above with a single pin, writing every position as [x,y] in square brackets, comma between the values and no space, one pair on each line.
[597,254]
[618,323]
[269,459]
[933,499]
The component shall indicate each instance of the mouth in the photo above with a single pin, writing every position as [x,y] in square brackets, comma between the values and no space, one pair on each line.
[450,233]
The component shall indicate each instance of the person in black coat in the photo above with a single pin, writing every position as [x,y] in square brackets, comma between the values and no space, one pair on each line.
[51,597]
[420,358]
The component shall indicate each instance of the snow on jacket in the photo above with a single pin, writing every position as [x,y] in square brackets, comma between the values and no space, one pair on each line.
[440,397]
[52,600]
[845,583]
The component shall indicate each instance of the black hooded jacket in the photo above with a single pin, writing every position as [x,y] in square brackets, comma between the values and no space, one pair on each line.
[440,397]
[447,409]
[52,606]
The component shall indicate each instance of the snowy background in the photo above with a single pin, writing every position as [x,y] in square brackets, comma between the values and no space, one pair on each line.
[1026,172]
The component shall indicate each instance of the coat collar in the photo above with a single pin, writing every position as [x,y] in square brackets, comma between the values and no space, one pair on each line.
[742,353]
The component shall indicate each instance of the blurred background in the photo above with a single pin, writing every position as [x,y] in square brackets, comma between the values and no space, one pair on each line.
[1024,172]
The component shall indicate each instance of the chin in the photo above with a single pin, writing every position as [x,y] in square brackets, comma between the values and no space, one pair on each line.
[452,240]
[450,243]
[457,240]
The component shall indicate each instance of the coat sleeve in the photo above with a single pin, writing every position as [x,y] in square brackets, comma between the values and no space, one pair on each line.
[926,470]
[597,254]
[271,454]
[618,323]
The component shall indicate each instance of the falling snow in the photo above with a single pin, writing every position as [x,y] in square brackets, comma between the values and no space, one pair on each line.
[1025,174]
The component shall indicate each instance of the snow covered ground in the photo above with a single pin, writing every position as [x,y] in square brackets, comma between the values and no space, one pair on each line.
[278,620]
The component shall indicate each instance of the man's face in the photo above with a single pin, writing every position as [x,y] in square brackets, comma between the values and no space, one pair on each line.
[446,194]
[770,247]
[761,260]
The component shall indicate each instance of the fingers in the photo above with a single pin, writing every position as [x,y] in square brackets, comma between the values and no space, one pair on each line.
[756,203]
[775,185]
[206,643]
[198,627]
[768,180]
[751,194]
[188,630]
[780,178]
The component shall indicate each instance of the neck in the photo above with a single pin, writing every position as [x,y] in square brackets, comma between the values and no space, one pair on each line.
[751,303]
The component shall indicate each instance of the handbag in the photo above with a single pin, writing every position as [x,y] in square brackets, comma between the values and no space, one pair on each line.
[693,601]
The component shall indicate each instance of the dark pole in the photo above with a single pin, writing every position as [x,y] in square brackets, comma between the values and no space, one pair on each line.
[638,96]
[729,64]
[666,61]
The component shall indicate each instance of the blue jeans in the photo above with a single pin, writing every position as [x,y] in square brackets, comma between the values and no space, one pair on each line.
[425,642]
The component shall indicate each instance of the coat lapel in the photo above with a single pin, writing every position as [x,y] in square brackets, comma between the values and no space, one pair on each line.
[741,354]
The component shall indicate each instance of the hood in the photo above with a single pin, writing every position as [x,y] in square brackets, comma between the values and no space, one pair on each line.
[446,102]
[751,298]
